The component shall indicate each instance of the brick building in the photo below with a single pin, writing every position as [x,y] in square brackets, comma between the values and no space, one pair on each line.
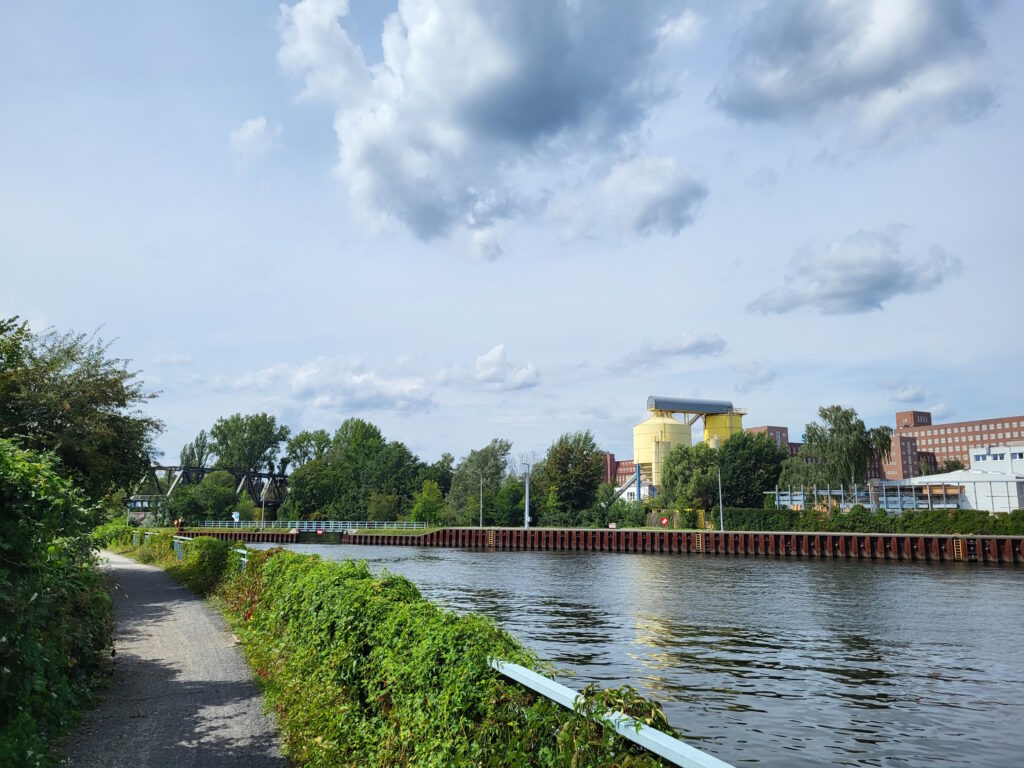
[780,435]
[916,436]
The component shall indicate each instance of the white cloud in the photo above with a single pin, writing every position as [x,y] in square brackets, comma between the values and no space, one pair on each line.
[653,355]
[684,29]
[887,67]
[470,100]
[905,392]
[754,375]
[337,384]
[493,371]
[855,275]
[252,140]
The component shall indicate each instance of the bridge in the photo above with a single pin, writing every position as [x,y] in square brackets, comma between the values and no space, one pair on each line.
[266,489]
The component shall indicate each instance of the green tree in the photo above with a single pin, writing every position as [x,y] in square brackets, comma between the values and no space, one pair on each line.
[951,465]
[573,466]
[491,461]
[689,477]
[840,448]
[63,393]
[358,464]
[751,464]
[249,442]
[306,446]
[196,453]
[216,495]
[507,508]
[428,504]
[440,472]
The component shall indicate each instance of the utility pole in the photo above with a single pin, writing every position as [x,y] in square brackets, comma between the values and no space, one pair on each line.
[526,514]
[721,511]
[481,499]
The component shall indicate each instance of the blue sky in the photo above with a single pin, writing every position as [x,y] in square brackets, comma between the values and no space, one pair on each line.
[464,220]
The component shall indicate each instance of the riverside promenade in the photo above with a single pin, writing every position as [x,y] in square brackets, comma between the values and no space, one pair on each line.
[181,693]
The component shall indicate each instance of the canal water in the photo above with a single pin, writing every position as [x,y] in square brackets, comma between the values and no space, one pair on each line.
[767,662]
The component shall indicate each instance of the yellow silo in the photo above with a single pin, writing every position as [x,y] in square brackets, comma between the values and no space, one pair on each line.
[654,438]
[719,427]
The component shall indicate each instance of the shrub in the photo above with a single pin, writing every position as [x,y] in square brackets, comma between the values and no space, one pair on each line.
[115,532]
[204,564]
[54,607]
[364,671]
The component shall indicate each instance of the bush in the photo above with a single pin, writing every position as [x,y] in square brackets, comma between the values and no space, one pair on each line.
[364,671]
[204,564]
[54,607]
[115,532]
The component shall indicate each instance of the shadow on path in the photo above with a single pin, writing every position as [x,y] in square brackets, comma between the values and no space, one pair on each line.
[181,693]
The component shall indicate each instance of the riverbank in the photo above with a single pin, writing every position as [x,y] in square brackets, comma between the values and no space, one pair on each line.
[362,670]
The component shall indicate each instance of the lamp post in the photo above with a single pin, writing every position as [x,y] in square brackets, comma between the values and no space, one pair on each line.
[721,512]
[526,513]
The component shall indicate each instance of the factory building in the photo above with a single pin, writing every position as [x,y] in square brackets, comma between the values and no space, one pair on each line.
[916,435]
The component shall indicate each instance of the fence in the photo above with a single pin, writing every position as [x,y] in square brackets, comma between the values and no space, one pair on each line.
[312,526]
[651,739]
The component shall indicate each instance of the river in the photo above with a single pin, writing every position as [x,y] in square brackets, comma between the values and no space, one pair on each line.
[767,662]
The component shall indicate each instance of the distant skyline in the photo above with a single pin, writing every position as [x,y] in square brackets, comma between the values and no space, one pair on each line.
[466,220]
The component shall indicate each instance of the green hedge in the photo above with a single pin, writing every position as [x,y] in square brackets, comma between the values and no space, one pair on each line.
[363,671]
[861,520]
[54,607]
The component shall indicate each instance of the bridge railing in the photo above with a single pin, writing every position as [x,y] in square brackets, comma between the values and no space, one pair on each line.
[312,526]
[651,739]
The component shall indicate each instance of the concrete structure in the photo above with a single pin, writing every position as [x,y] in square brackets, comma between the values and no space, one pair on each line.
[655,437]
[938,443]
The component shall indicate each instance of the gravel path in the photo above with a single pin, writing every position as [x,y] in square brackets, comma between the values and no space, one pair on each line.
[182,695]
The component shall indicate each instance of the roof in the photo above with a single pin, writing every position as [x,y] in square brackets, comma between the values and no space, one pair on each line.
[683,405]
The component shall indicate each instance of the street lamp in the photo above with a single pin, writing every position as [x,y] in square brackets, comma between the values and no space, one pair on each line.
[721,513]
[526,514]
[481,498]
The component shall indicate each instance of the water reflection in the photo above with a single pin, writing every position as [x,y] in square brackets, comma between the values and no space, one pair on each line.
[779,663]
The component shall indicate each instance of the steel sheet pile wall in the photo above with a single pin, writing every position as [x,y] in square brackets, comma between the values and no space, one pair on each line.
[857,546]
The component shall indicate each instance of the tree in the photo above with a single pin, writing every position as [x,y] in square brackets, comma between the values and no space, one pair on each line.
[573,467]
[464,496]
[197,453]
[689,478]
[306,446]
[951,465]
[249,442]
[428,504]
[507,508]
[751,464]
[358,464]
[440,472]
[216,495]
[64,394]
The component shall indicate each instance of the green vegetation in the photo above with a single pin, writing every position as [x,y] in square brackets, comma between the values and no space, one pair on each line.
[836,451]
[54,608]
[859,519]
[363,671]
[61,393]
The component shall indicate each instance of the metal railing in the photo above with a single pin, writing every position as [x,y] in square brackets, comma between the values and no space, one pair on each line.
[312,526]
[180,542]
[651,739]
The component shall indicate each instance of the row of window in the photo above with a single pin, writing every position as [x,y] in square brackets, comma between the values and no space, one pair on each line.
[970,428]
[992,457]
[956,439]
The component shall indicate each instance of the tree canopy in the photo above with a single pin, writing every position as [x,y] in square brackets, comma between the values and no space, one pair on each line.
[64,393]
[490,462]
[751,464]
[306,446]
[197,453]
[249,442]
[689,478]
[572,471]
[837,450]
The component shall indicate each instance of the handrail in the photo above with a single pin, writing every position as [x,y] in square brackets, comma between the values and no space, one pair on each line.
[651,739]
[311,526]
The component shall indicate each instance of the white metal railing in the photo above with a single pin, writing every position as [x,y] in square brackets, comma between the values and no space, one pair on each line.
[312,526]
[651,739]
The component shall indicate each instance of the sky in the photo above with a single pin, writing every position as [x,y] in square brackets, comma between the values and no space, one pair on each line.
[466,220]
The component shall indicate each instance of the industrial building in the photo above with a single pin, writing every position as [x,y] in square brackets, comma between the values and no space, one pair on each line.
[655,437]
[916,436]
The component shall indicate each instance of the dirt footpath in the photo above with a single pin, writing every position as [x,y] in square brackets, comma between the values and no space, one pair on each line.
[182,695]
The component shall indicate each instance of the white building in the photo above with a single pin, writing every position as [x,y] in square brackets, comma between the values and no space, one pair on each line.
[980,489]
[999,458]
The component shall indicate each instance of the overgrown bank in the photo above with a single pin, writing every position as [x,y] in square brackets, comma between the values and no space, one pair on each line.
[363,671]
[54,607]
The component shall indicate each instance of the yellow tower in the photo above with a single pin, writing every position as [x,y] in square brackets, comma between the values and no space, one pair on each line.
[654,438]
[719,427]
